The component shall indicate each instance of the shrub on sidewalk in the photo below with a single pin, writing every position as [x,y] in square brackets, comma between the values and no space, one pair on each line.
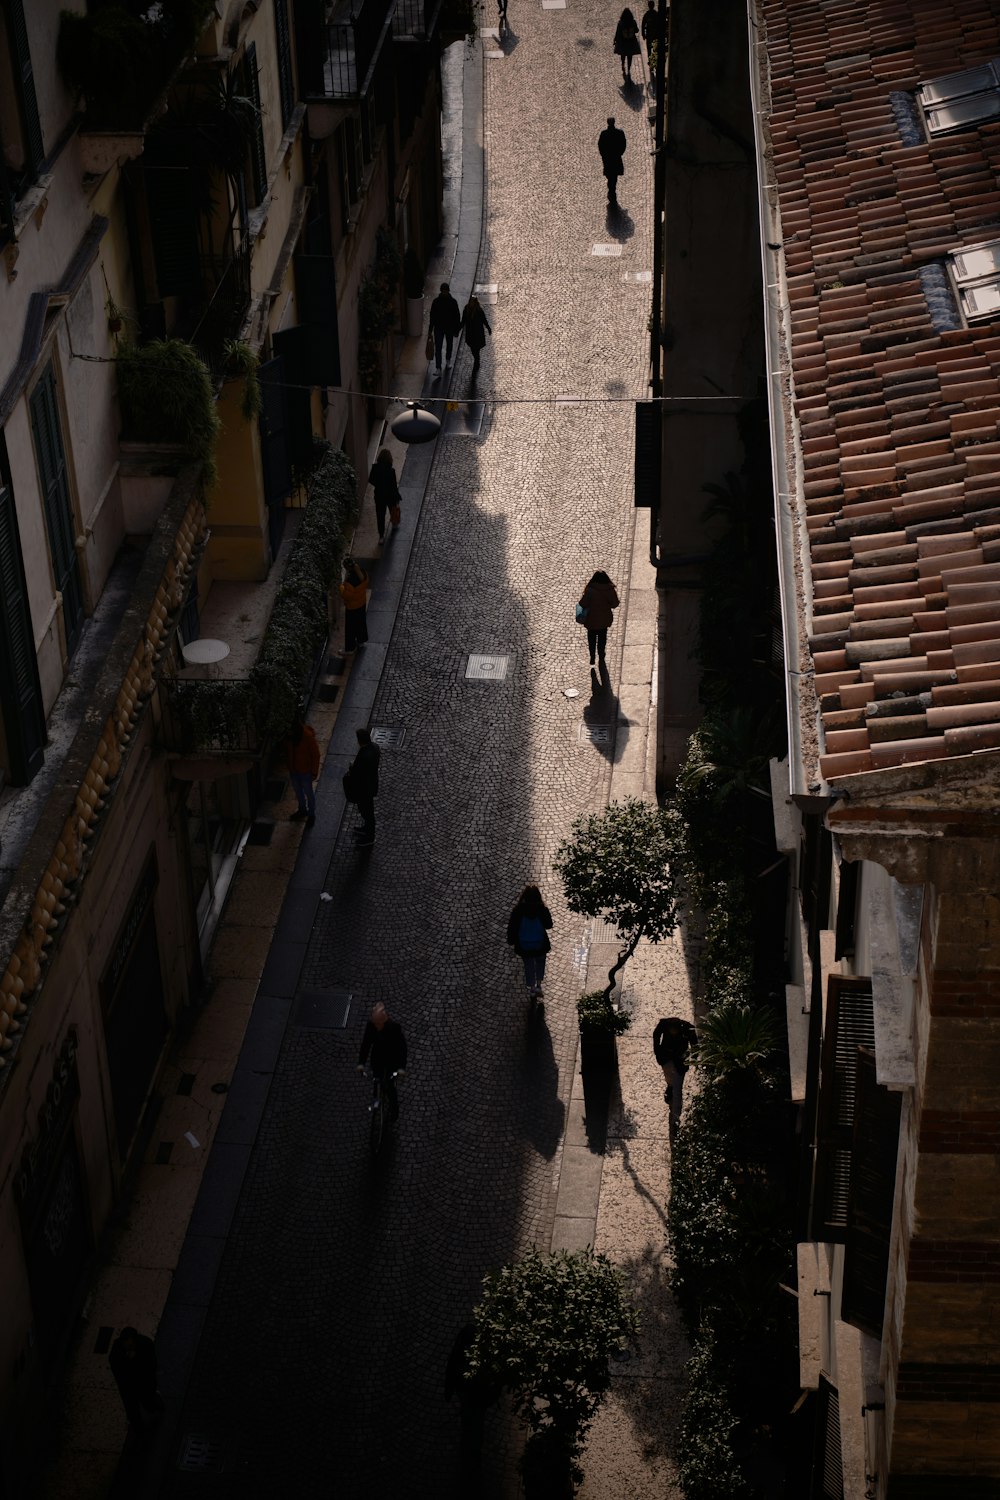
[546,1329]
[709,1469]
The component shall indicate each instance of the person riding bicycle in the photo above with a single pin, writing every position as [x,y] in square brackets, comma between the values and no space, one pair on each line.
[383,1048]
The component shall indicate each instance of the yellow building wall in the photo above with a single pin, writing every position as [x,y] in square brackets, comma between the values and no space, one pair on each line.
[238,548]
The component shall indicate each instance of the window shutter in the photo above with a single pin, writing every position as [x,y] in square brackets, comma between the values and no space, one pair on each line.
[869,1206]
[849,1025]
[258,156]
[316,290]
[292,346]
[284,50]
[173,227]
[648,454]
[34,146]
[20,691]
[828,1463]
[51,461]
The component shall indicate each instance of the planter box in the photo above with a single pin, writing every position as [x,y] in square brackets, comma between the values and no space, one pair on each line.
[598,1050]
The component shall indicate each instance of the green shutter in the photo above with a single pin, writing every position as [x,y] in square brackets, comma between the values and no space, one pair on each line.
[284,49]
[34,146]
[20,692]
[51,461]
[258,156]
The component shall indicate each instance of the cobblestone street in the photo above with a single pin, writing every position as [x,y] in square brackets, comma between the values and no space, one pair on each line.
[321,1362]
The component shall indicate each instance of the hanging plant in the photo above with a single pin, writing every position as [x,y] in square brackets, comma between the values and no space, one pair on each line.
[243,362]
[166,396]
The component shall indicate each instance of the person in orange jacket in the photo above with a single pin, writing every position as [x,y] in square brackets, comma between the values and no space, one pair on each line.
[354,592]
[303,767]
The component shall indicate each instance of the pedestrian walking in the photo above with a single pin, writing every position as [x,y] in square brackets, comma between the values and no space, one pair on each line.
[475,1394]
[598,602]
[475,328]
[650,27]
[354,592]
[383,1047]
[446,320]
[383,481]
[528,934]
[502,15]
[626,43]
[672,1041]
[133,1364]
[303,768]
[611,144]
[361,784]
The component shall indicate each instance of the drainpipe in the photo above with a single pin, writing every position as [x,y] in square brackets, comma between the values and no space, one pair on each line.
[786,453]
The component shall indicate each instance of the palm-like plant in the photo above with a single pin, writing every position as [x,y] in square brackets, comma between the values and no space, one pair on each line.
[732,753]
[737,1037]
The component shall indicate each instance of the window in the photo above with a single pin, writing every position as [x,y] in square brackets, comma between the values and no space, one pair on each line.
[869,1204]
[848,1026]
[51,460]
[249,85]
[828,1471]
[20,129]
[975,271]
[22,722]
[284,50]
[959,100]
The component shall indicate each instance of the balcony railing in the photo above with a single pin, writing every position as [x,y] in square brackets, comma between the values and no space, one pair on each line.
[209,716]
[348,49]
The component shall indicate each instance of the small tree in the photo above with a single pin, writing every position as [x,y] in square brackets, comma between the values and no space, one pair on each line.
[618,866]
[546,1328]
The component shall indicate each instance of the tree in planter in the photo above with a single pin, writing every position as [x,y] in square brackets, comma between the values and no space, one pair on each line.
[165,395]
[619,866]
[546,1328]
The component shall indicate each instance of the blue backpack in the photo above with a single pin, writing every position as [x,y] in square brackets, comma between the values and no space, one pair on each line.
[531,935]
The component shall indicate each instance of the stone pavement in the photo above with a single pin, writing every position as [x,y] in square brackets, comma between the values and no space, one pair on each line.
[305,1336]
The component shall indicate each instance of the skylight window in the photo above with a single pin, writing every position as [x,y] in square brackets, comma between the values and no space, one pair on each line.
[975,270]
[957,100]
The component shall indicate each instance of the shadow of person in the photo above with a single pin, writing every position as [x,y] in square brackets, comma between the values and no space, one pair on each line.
[632,91]
[541,1110]
[600,715]
[619,221]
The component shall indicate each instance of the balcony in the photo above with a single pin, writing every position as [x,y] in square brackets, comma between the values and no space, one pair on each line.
[340,48]
[415,20]
[227,307]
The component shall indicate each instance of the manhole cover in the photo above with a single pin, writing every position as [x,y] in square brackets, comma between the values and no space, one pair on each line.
[553,4]
[606,250]
[201,1454]
[389,736]
[639,276]
[488,668]
[569,400]
[595,734]
[322,1010]
[464,419]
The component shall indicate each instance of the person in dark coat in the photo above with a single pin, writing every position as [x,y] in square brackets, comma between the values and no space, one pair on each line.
[626,43]
[362,777]
[528,934]
[383,481]
[599,599]
[672,1041]
[475,1393]
[354,592]
[476,328]
[383,1047]
[611,144]
[650,26]
[446,320]
[303,768]
[133,1364]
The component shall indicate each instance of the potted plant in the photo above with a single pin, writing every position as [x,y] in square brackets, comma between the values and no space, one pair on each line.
[413,281]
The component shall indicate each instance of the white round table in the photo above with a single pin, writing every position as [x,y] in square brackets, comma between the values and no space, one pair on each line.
[204,652]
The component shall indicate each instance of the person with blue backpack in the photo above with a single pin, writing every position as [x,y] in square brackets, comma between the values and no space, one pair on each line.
[528,935]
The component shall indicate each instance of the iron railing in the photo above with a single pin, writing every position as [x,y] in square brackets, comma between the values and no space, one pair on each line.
[209,716]
[349,49]
[227,307]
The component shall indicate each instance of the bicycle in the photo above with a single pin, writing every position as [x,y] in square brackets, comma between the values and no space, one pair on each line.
[384,1101]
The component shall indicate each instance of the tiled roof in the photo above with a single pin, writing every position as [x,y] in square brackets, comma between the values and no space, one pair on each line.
[899,422]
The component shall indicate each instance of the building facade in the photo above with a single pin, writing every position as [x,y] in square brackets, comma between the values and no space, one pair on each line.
[195,204]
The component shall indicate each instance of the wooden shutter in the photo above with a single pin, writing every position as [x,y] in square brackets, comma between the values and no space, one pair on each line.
[828,1463]
[34,148]
[849,1025]
[51,460]
[869,1205]
[258,155]
[284,51]
[316,291]
[648,454]
[20,692]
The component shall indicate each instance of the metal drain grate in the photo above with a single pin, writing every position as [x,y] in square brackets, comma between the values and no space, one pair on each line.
[641,277]
[595,734]
[389,736]
[201,1454]
[322,1010]
[486,291]
[487,668]
[605,932]
[606,250]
